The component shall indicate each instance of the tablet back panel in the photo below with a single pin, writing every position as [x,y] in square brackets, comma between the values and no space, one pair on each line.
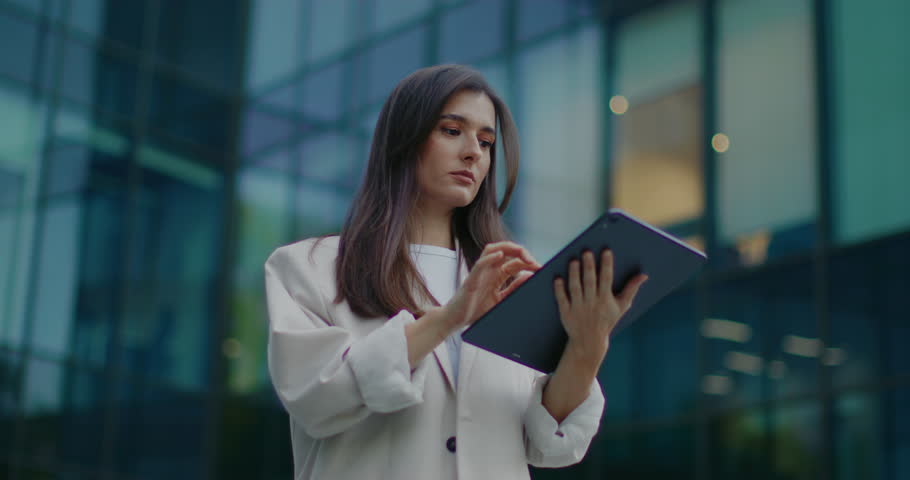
[525,327]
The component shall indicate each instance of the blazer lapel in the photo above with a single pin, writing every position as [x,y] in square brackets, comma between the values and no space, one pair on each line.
[441,352]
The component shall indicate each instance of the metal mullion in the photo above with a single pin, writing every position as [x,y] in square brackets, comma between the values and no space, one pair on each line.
[822,253]
[134,177]
[223,311]
[43,49]
[704,283]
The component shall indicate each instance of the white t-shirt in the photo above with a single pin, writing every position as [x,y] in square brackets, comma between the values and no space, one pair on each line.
[439,268]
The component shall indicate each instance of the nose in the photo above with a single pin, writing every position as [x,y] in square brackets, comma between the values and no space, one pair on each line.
[471,150]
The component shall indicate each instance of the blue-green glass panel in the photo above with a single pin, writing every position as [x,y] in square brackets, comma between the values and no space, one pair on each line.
[870,70]
[471,32]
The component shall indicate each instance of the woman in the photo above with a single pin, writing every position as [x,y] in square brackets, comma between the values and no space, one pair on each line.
[364,344]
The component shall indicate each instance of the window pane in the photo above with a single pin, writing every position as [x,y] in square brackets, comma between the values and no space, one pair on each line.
[869,324]
[560,122]
[320,209]
[766,182]
[761,337]
[65,414]
[329,158]
[170,313]
[273,41]
[123,22]
[97,78]
[391,61]
[263,224]
[188,35]
[264,127]
[471,32]
[18,46]
[188,112]
[159,431]
[540,16]
[391,13]
[331,28]
[650,454]
[859,438]
[21,138]
[871,74]
[657,170]
[55,306]
[323,92]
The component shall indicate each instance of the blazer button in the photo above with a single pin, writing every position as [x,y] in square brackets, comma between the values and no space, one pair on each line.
[450,444]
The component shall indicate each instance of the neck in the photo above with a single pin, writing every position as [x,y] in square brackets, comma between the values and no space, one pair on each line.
[433,228]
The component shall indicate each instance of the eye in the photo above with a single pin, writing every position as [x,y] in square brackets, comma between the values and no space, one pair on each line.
[486,144]
[450,131]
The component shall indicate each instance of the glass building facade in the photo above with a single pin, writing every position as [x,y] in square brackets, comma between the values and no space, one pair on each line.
[154,152]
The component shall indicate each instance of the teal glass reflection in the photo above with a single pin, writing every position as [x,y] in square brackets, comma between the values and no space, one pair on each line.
[264,221]
[766,152]
[859,436]
[273,41]
[871,72]
[761,337]
[869,325]
[18,46]
[98,78]
[189,34]
[471,32]
[559,97]
[174,250]
[390,61]
[388,14]
[159,431]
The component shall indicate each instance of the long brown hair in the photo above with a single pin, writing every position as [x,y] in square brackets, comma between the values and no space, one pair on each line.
[374,271]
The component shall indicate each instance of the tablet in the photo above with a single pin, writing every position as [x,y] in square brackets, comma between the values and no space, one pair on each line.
[525,326]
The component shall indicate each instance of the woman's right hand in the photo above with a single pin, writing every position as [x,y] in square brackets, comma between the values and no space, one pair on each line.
[486,285]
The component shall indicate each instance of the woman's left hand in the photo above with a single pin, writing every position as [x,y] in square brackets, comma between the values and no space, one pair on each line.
[589,310]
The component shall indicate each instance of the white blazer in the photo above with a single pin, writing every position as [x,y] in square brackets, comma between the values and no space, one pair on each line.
[358,412]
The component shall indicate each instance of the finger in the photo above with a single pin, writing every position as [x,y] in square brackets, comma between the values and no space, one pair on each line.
[627,296]
[605,284]
[559,288]
[485,263]
[521,278]
[574,282]
[511,249]
[589,276]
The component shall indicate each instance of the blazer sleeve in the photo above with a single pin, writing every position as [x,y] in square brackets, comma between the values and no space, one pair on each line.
[327,380]
[550,444]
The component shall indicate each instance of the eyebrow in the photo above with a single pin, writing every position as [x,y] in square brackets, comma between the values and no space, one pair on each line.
[462,119]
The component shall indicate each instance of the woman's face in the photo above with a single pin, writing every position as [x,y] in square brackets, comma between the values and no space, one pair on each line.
[455,158]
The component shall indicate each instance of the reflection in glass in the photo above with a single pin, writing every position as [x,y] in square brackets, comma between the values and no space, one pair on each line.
[263,224]
[19,46]
[656,168]
[859,436]
[666,339]
[274,27]
[320,209]
[756,337]
[471,32]
[871,74]
[559,123]
[389,14]
[390,61]
[766,182]
[329,158]
[181,41]
[868,313]
[332,28]
[169,318]
[159,431]
[188,112]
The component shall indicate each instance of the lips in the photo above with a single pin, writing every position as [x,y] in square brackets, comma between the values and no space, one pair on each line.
[464,174]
